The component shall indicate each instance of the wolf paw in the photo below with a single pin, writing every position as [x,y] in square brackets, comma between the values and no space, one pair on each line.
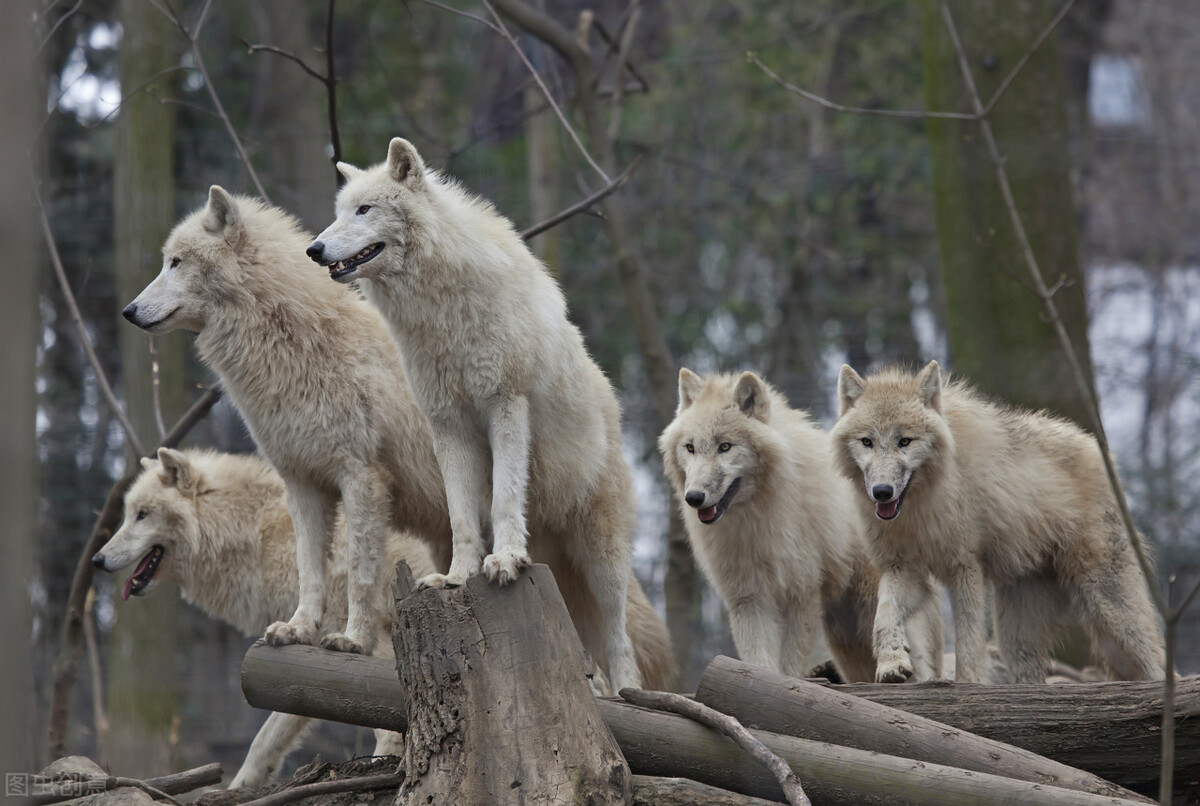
[439,581]
[339,642]
[894,671]
[505,566]
[284,633]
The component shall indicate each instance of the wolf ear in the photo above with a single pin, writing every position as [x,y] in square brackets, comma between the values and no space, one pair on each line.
[177,471]
[689,387]
[930,382]
[221,216]
[147,463]
[347,170]
[404,163]
[750,394]
[850,388]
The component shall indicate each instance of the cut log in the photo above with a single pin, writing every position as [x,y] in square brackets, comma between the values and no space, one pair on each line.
[651,791]
[761,698]
[666,745]
[1109,729]
[499,709]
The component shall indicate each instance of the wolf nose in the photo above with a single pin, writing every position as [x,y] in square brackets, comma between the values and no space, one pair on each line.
[315,251]
[882,492]
[694,498]
[98,560]
[129,313]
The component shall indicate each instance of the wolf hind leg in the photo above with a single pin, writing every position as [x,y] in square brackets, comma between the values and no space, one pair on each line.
[274,740]
[1025,619]
[1122,621]
[801,616]
[968,602]
[367,504]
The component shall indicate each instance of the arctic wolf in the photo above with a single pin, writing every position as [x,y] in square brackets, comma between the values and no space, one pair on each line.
[969,491]
[775,529]
[524,423]
[313,370]
[217,526]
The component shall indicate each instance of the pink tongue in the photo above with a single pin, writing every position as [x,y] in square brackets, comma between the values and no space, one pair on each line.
[128,589]
[888,510]
[142,566]
[706,514]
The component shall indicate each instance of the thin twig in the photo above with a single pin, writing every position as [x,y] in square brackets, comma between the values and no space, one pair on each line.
[57,24]
[461,13]
[287,54]
[335,139]
[84,340]
[546,90]
[74,784]
[727,725]
[580,206]
[93,653]
[364,784]
[618,94]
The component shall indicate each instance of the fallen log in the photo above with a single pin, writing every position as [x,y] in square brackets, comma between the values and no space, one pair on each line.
[666,745]
[651,791]
[761,698]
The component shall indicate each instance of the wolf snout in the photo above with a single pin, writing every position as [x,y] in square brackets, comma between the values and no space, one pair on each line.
[882,492]
[98,558]
[316,251]
[694,498]
[129,313]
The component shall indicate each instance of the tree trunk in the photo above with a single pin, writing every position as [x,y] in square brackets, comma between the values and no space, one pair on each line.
[543,169]
[999,339]
[499,709]
[767,700]
[19,335]
[144,651]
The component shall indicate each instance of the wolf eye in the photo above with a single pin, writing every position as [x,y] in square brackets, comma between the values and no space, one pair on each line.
[690,448]
[174,262]
[867,443]
[362,210]
[141,514]
[904,442]
[723,447]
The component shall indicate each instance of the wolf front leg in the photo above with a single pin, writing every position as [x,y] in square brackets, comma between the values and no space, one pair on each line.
[312,518]
[463,461]
[902,592]
[368,511]
[967,602]
[509,436]
[756,629]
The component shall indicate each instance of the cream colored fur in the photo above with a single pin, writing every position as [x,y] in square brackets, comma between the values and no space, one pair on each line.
[312,368]
[987,493]
[786,550]
[525,426]
[227,542]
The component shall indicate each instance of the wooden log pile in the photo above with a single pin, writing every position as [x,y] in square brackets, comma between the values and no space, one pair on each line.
[492,693]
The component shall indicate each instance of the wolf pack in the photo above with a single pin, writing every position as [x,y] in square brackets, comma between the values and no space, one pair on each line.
[429,400]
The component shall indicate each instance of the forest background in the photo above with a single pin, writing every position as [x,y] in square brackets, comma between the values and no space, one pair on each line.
[757,229]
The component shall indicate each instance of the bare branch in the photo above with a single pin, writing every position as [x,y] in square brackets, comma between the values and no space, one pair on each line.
[461,13]
[580,206]
[364,784]
[727,725]
[618,93]
[57,24]
[287,54]
[546,90]
[84,340]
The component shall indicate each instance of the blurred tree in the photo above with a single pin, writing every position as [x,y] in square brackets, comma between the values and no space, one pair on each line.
[999,338]
[144,660]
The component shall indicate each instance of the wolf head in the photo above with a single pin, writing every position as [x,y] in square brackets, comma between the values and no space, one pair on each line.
[890,431]
[377,211]
[160,527]
[720,446]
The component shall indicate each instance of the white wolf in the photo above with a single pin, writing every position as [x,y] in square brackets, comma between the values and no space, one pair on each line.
[524,422]
[312,368]
[775,528]
[217,526]
[970,491]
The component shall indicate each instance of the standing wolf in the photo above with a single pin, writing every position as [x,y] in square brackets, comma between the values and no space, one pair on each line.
[312,368]
[217,525]
[524,423]
[969,491]
[775,528]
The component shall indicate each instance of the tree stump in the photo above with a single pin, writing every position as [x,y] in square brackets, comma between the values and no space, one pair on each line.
[499,708]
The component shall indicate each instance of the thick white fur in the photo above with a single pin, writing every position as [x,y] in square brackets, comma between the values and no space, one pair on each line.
[228,544]
[1015,498]
[525,425]
[315,373]
[789,552]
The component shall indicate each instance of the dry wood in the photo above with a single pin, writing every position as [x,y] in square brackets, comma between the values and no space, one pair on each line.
[729,726]
[651,791]
[365,783]
[764,699]
[665,745]
[499,709]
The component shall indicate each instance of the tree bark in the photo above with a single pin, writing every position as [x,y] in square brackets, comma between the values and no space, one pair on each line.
[651,791]
[499,709]
[760,698]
